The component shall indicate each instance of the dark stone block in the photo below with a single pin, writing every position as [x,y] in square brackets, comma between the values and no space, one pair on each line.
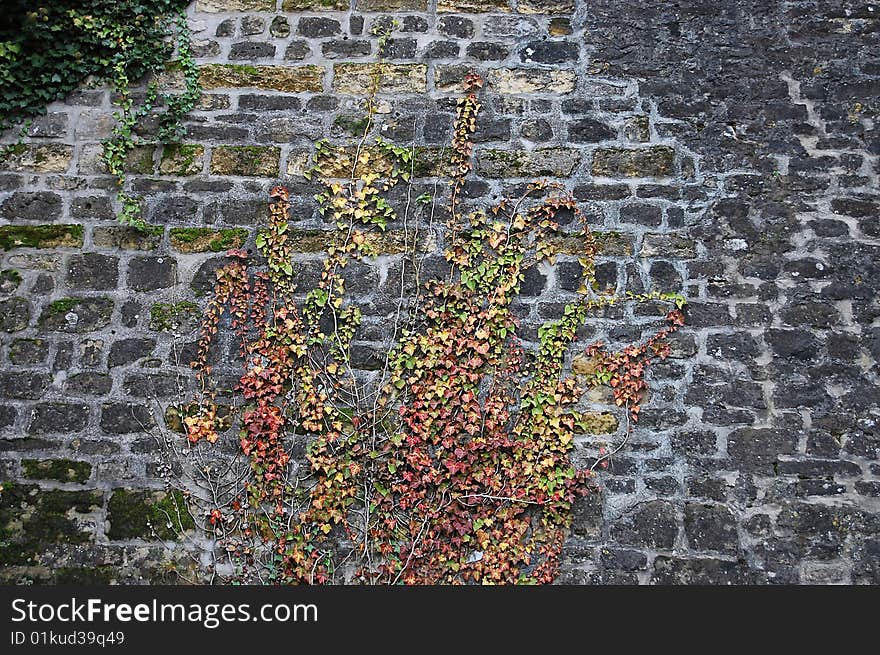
[147,514]
[588,130]
[534,282]
[441,50]
[29,385]
[641,214]
[757,449]
[28,351]
[456,26]
[123,418]
[159,385]
[251,50]
[89,383]
[58,417]
[587,516]
[315,27]
[92,271]
[710,527]
[151,273]
[42,206]
[487,51]
[653,523]
[126,351]
[97,208]
[549,52]
[674,571]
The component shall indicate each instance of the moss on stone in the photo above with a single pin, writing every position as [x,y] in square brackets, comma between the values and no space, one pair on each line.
[609,244]
[352,124]
[32,518]
[165,316]
[657,161]
[85,575]
[10,279]
[289,79]
[249,161]
[391,242]
[134,514]
[61,306]
[139,160]
[181,159]
[597,423]
[205,239]
[91,313]
[41,236]
[62,470]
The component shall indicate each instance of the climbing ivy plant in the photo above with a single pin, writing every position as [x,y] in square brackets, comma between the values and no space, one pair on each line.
[48,49]
[454,466]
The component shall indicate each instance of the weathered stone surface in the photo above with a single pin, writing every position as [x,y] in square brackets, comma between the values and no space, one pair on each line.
[92,271]
[316,5]
[549,52]
[125,417]
[28,351]
[26,384]
[355,79]
[182,159]
[652,524]
[741,176]
[251,161]
[318,26]
[472,6]
[759,448]
[528,81]
[32,519]
[556,162]
[669,246]
[31,206]
[390,5]
[89,383]
[58,417]
[127,238]
[700,572]
[38,158]
[151,273]
[289,79]
[658,161]
[15,314]
[126,351]
[77,314]
[710,527]
[179,317]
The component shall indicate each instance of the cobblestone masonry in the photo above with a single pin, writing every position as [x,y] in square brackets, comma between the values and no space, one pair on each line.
[727,149]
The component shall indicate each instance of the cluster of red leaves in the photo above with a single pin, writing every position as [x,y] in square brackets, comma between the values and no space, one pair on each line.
[625,370]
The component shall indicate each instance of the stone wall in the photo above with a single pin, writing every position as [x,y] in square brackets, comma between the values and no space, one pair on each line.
[724,149]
